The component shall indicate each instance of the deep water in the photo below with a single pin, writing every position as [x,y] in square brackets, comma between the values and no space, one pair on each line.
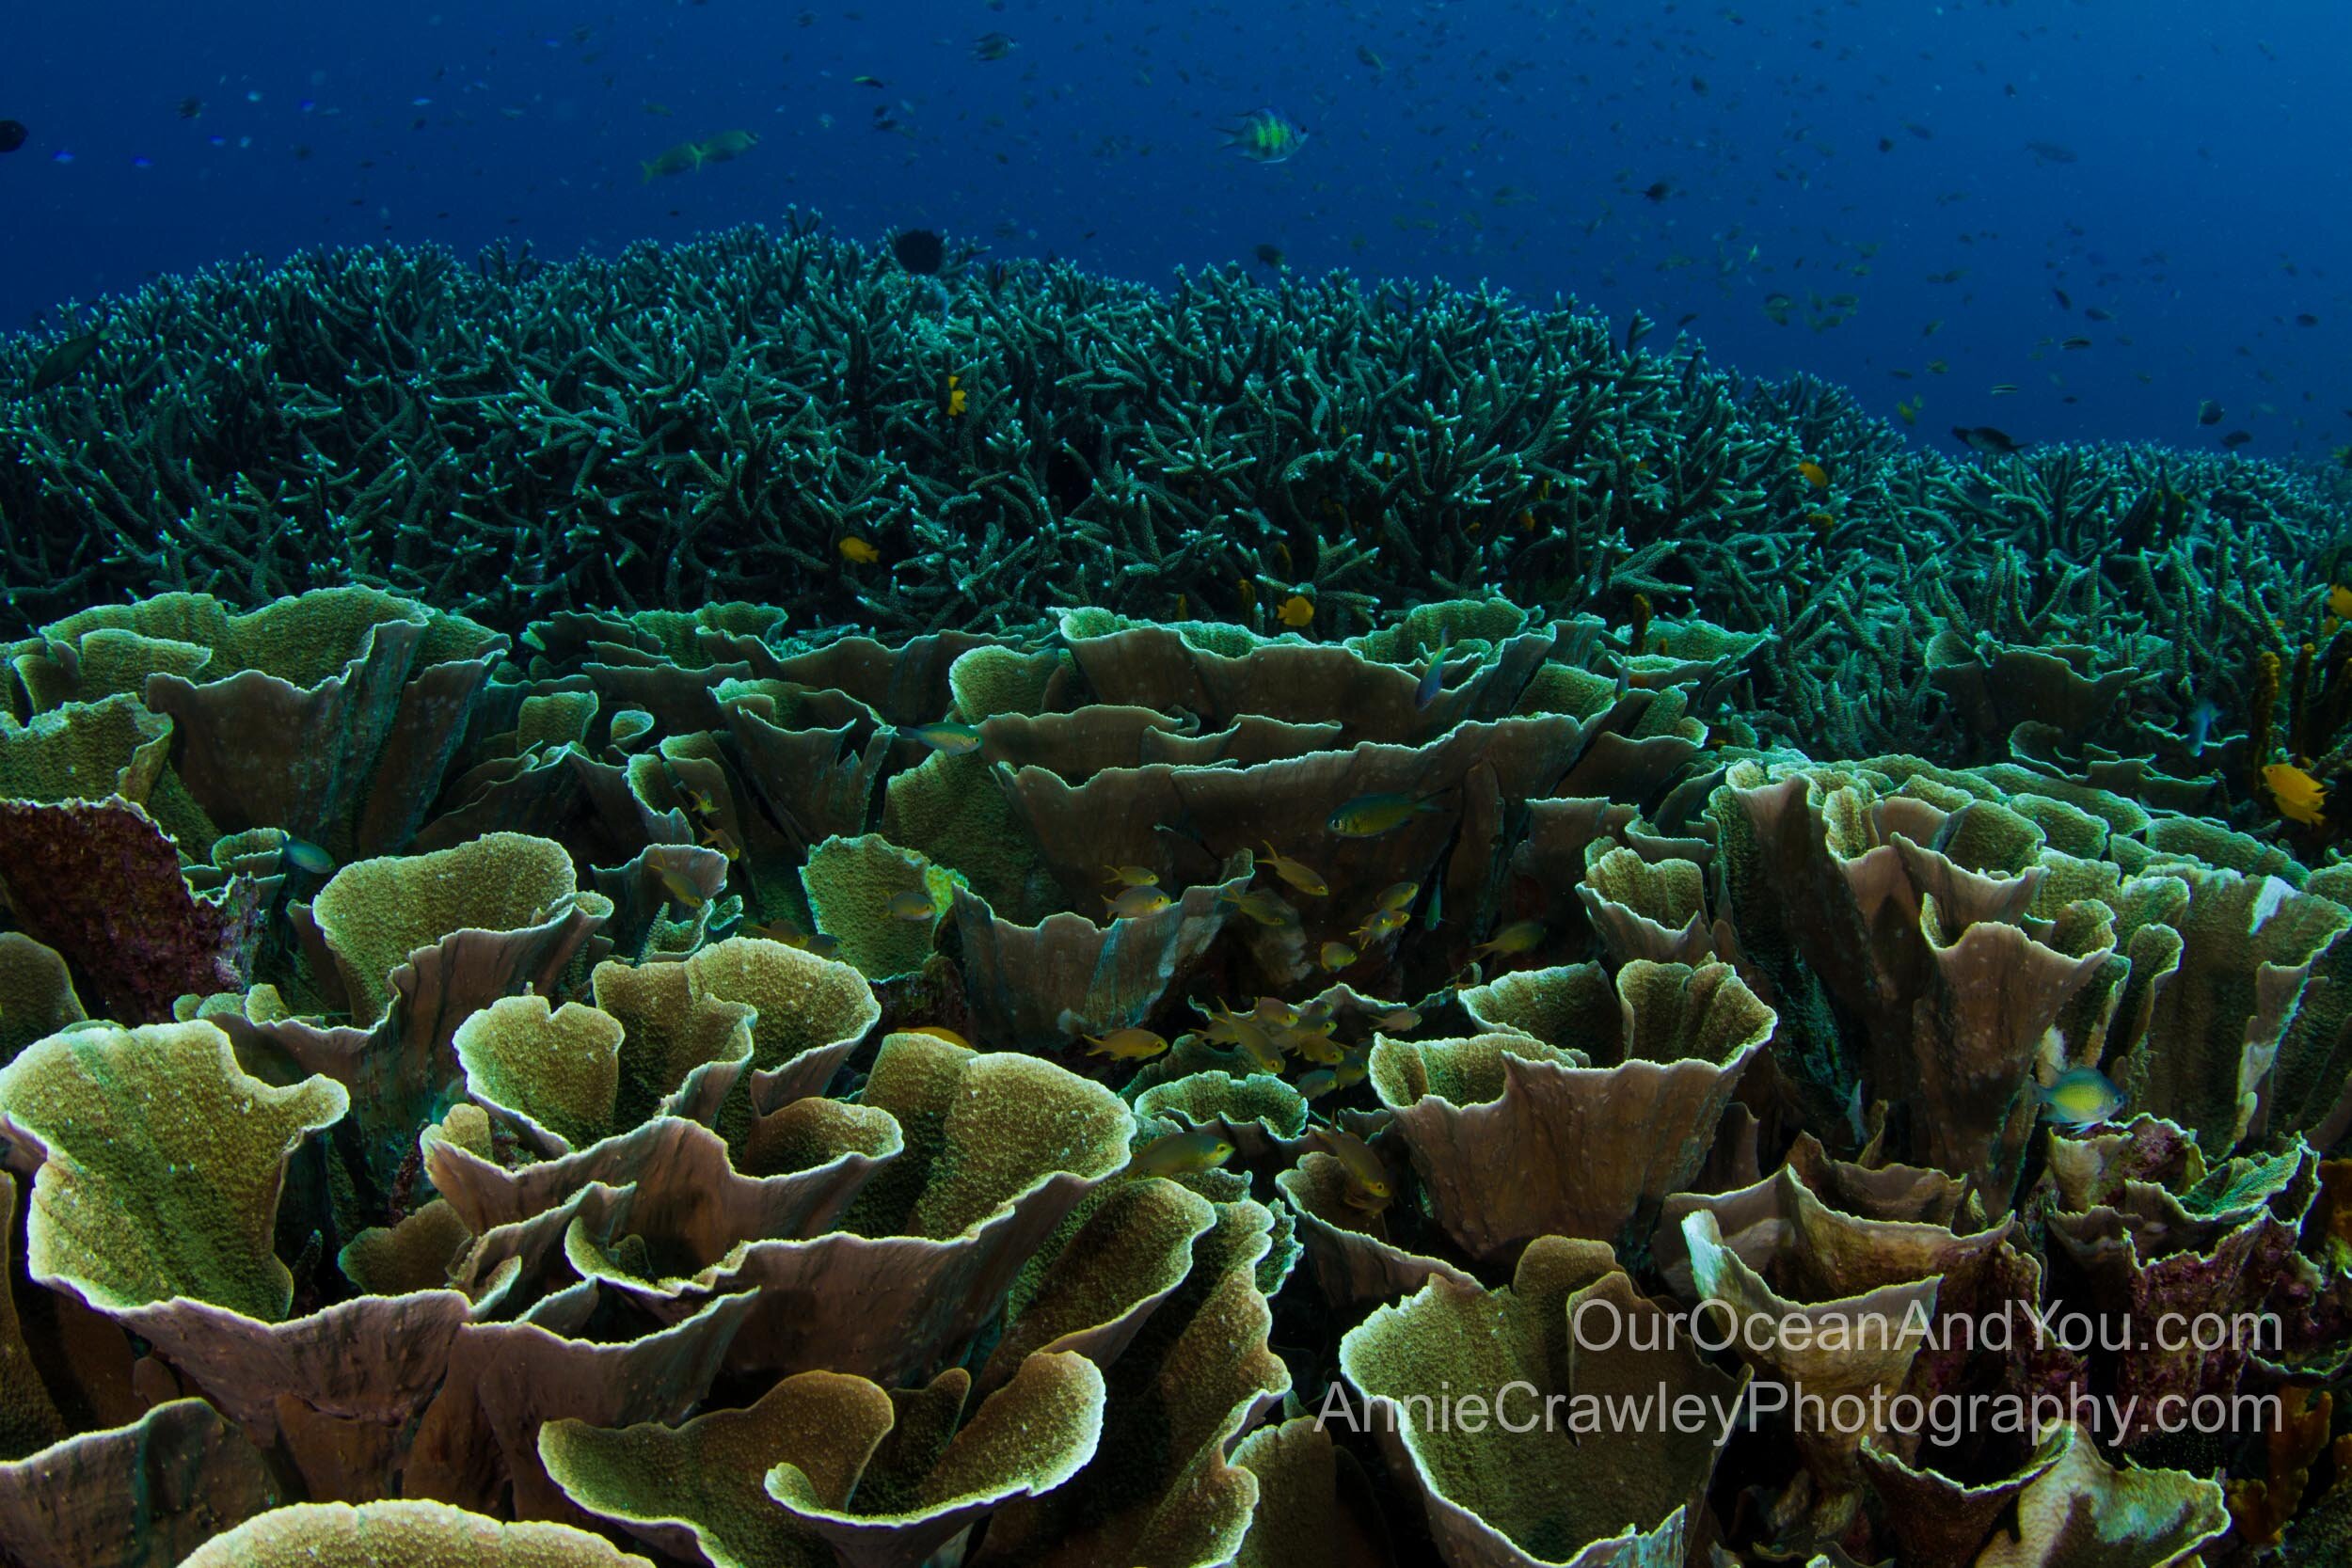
[1492,143]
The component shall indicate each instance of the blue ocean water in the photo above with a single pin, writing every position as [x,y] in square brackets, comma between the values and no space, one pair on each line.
[1926,202]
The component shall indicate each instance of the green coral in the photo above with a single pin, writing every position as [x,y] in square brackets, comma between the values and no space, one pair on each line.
[162,1164]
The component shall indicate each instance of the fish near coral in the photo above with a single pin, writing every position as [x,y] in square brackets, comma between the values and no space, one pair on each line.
[1433,679]
[1371,815]
[680,159]
[1369,1188]
[1265,908]
[1382,923]
[303,855]
[957,399]
[728,145]
[64,362]
[1274,1012]
[1181,1154]
[1813,474]
[2079,1097]
[1296,613]
[1397,896]
[1519,937]
[2339,601]
[1126,1045]
[1336,956]
[2202,720]
[938,1032]
[1302,877]
[1986,439]
[682,891]
[1256,1044]
[717,837]
[1138,901]
[857,551]
[1314,1045]
[955,740]
[776,930]
[2298,797]
[914,908]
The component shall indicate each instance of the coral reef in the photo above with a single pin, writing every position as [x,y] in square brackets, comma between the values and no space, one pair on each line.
[815,1196]
[765,415]
[974,1061]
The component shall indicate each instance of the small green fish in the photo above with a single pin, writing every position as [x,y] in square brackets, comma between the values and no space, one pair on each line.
[2081,1096]
[1299,875]
[1382,923]
[1519,937]
[945,736]
[728,144]
[1131,876]
[681,890]
[1397,896]
[1336,956]
[303,855]
[1316,1045]
[1315,1085]
[1137,902]
[1126,1045]
[1256,1044]
[679,159]
[1181,1154]
[1433,679]
[1266,136]
[1262,907]
[1275,1011]
[1370,815]
[64,362]
[913,906]
[1368,1187]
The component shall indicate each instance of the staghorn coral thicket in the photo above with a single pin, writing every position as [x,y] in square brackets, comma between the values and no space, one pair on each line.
[690,423]
[514,1049]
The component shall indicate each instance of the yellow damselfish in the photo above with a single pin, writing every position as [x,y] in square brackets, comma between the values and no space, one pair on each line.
[1126,1045]
[1181,1154]
[2298,797]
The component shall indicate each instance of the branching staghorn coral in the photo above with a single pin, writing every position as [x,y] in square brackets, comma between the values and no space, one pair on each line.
[752,416]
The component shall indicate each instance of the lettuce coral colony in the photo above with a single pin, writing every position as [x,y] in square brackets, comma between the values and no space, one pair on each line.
[493,1079]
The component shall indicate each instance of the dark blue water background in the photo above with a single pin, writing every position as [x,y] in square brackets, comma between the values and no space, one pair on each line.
[1500,142]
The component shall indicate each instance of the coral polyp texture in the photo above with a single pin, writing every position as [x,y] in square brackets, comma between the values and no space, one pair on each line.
[763,970]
